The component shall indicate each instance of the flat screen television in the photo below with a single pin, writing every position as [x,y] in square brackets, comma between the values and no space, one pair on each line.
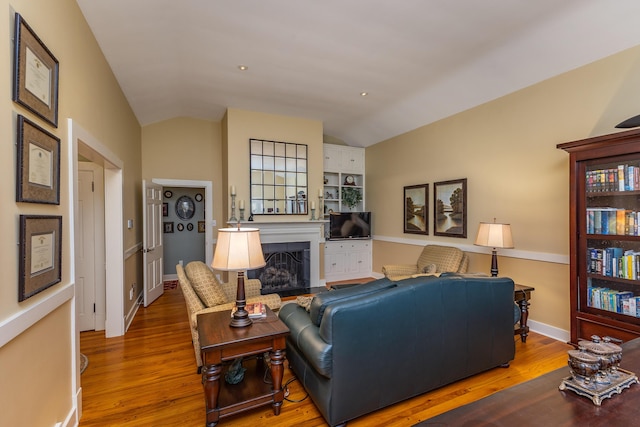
[349,225]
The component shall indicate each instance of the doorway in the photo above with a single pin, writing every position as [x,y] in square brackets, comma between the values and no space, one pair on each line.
[194,187]
[84,146]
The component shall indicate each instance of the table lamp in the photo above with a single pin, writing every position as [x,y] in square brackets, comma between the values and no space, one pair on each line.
[238,249]
[494,235]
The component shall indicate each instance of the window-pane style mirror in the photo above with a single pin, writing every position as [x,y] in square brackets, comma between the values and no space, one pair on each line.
[278,178]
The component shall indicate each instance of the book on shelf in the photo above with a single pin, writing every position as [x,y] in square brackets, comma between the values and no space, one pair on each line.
[256,310]
[623,302]
[621,178]
[612,221]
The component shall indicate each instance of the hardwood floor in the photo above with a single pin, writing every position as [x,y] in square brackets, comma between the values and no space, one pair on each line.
[148,378]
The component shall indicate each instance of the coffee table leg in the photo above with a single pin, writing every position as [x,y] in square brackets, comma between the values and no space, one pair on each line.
[211,384]
[277,372]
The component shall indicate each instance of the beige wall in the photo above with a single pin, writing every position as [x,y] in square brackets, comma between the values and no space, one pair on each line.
[507,151]
[243,125]
[90,95]
[186,149]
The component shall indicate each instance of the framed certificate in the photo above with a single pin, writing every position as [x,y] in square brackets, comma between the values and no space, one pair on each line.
[40,254]
[38,171]
[35,80]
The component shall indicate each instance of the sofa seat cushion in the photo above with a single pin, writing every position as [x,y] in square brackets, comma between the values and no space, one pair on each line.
[322,300]
[205,284]
[304,335]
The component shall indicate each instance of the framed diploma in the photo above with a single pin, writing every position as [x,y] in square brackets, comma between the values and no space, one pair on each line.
[40,254]
[38,170]
[35,80]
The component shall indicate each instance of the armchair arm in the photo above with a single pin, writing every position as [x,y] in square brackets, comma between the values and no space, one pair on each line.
[391,270]
[251,288]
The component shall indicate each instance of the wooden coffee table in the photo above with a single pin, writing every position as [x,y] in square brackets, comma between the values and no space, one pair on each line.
[539,402]
[221,343]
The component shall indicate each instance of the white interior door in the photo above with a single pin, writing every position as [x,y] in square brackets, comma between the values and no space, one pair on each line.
[152,238]
[85,263]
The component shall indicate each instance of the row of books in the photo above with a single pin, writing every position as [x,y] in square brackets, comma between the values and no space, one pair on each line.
[621,178]
[614,262]
[605,220]
[623,302]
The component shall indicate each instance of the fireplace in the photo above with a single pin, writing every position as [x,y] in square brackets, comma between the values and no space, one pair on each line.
[310,232]
[287,270]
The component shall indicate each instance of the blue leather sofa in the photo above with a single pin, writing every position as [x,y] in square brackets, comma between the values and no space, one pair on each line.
[365,347]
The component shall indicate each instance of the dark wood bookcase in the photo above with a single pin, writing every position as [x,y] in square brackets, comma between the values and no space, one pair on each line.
[605,235]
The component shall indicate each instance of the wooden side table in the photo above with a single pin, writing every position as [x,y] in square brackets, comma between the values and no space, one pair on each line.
[522,295]
[220,343]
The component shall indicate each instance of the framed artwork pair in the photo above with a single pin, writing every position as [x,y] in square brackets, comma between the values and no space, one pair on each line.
[449,208]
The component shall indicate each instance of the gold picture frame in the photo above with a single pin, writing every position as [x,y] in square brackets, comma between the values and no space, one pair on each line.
[40,254]
[38,158]
[35,80]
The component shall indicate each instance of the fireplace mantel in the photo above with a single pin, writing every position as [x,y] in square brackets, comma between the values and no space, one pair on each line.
[294,231]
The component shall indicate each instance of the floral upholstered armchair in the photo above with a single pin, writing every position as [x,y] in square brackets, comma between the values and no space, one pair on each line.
[433,260]
[203,293]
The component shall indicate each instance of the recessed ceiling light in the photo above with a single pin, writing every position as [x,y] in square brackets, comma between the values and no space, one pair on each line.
[243,67]
[364,93]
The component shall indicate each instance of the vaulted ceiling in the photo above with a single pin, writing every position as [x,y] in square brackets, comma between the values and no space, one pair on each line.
[418,60]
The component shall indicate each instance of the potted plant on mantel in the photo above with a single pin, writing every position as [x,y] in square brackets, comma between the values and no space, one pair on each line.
[351,197]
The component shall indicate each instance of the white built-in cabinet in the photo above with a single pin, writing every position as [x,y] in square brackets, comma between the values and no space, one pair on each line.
[344,259]
[343,168]
[347,259]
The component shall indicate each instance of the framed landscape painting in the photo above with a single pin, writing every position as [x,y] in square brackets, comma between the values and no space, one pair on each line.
[416,206]
[450,208]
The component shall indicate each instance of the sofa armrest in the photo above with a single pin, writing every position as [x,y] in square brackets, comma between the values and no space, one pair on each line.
[391,270]
[306,338]
[251,288]
[215,308]
[273,301]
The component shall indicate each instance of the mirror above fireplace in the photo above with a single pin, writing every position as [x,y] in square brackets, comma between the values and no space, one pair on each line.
[278,178]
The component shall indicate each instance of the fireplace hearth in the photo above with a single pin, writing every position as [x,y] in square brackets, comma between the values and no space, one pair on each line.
[287,269]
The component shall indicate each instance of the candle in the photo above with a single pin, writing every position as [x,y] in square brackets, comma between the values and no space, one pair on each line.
[313,205]
[233,190]
[320,192]
[241,204]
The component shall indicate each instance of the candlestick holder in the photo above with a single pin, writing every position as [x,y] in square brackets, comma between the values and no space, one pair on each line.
[320,209]
[241,214]
[313,214]
[233,208]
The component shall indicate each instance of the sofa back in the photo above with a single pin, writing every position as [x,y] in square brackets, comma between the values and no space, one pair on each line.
[419,335]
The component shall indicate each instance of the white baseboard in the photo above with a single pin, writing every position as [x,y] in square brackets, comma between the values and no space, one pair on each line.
[132,313]
[549,331]
[168,277]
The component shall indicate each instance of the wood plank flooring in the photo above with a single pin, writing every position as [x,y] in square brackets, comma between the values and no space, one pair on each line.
[148,378]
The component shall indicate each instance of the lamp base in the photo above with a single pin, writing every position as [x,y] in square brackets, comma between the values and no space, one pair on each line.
[240,318]
[240,321]
[494,263]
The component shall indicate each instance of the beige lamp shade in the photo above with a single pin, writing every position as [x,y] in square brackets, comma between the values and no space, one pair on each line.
[494,235]
[238,249]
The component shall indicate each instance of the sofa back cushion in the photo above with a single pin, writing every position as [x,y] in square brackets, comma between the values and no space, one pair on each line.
[194,303]
[446,258]
[205,284]
[322,300]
